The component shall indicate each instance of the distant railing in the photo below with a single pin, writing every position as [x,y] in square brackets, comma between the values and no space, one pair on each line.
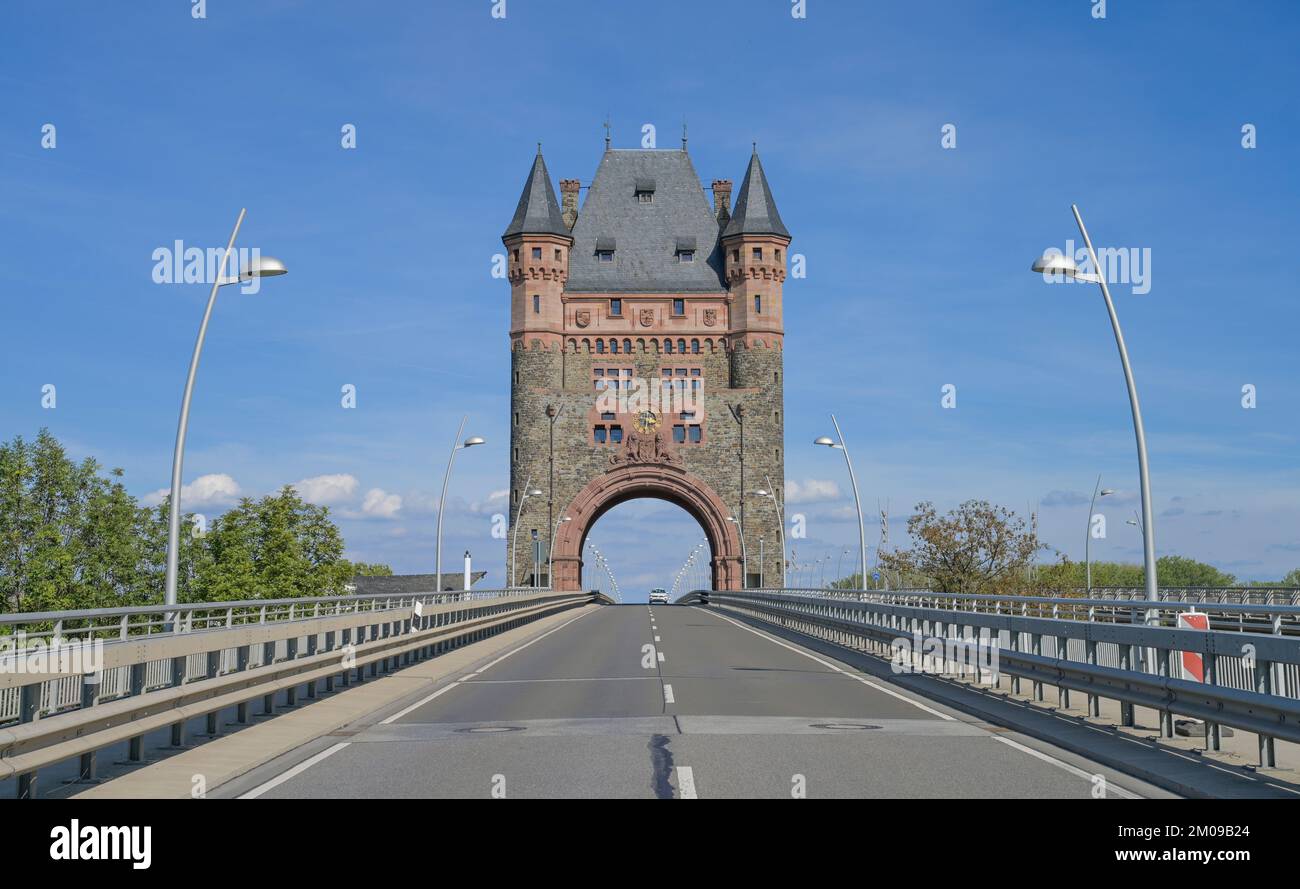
[1127,650]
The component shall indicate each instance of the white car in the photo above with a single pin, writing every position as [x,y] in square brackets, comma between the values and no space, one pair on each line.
[658,597]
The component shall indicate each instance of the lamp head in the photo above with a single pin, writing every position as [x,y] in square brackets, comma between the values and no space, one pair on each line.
[473,440]
[825,440]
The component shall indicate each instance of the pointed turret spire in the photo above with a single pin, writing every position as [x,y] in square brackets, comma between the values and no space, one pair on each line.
[538,212]
[755,212]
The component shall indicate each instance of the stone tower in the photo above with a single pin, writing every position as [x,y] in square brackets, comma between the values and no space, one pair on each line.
[646,360]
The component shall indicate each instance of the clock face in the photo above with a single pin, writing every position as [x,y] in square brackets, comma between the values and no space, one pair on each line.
[647,421]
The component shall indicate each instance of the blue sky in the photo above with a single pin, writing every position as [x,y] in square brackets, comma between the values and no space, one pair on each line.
[917,255]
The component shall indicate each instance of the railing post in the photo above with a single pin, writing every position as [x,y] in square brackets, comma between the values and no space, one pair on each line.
[1264,685]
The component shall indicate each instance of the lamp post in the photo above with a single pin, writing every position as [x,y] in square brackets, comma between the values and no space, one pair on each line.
[744,555]
[1087,540]
[456,445]
[529,491]
[1057,264]
[770,493]
[857,501]
[264,267]
[550,552]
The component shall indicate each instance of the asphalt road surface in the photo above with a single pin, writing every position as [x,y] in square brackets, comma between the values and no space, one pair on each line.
[676,702]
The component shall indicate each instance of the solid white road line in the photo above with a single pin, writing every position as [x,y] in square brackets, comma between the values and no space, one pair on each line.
[1073,770]
[668,695]
[530,642]
[686,783]
[293,772]
[418,704]
[828,665]
[330,751]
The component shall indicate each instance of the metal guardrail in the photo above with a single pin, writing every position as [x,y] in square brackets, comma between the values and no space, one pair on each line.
[1252,678]
[155,667]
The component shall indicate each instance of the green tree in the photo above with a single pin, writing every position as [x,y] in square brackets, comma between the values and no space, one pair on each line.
[371,569]
[1177,571]
[1292,579]
[277,547]
[975,548]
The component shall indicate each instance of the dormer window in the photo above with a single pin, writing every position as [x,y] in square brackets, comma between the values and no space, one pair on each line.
[605,249]
[686,250]
[645,190]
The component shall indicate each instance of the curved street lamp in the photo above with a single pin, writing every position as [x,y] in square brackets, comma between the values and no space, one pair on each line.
[456,445]
[1087,540]
[744,555]
[529,491]
[262,267]
[780,518]
[1055,263]
[857,501]
[550,552]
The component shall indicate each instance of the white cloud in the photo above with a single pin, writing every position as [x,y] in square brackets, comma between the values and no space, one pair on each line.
[495,502]
[326,489]
[206,490]
[811,491]
[380,504]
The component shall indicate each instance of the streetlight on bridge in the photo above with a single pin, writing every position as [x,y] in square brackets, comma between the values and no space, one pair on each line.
[262,267]
[744,554]
[550,551]
[457,445]
[529,491]
[769,493]
[1087,540]
[1054,263]
[829,442]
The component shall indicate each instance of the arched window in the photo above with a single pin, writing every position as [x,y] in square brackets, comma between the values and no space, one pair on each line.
[573,345]
[613,346]
[586,346]
[681,346]
[668,347]
[600,347]
[627,346]
[695,347]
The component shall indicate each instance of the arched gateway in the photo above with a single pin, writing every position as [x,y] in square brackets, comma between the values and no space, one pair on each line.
[646,340]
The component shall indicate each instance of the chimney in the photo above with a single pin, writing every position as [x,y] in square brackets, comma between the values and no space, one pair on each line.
[569,201]
[722,200]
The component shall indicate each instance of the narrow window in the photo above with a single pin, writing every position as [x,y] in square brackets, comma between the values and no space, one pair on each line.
[616,307]
[681,346]
[695,434]
[537,253]
[758,254]
[627,347]
[616,434]
[560,256]
[516,255]
[679,433]
[613,346]
[758,305]
[735,256]
[679,307]
[600,435]
[778,255]
[537,303]
[668,346]
[600,347]
[695,347]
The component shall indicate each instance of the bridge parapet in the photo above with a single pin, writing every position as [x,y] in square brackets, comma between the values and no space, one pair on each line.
[1129,651]
[83,680]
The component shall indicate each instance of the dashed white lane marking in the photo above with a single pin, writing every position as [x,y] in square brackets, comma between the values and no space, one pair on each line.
[668,695]
[1073,770]
[293,772]
[828,665]
[656,638]
[661,657]
[685,783]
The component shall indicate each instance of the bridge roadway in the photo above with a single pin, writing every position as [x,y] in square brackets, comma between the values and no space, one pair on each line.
[725,710]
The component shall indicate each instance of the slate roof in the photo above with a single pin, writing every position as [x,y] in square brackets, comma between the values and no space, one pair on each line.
[407,584]
[647,235]
[755,212]
[538,212]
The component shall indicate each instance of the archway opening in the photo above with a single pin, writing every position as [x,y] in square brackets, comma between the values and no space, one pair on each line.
[646,543]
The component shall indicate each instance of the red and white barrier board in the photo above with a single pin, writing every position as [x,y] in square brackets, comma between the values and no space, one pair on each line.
[1192,665]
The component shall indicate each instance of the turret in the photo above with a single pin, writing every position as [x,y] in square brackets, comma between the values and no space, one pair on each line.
[537,243]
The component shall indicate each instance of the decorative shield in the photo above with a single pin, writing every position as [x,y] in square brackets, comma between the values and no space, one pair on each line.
[710,317]
[647,317]
[582,317]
